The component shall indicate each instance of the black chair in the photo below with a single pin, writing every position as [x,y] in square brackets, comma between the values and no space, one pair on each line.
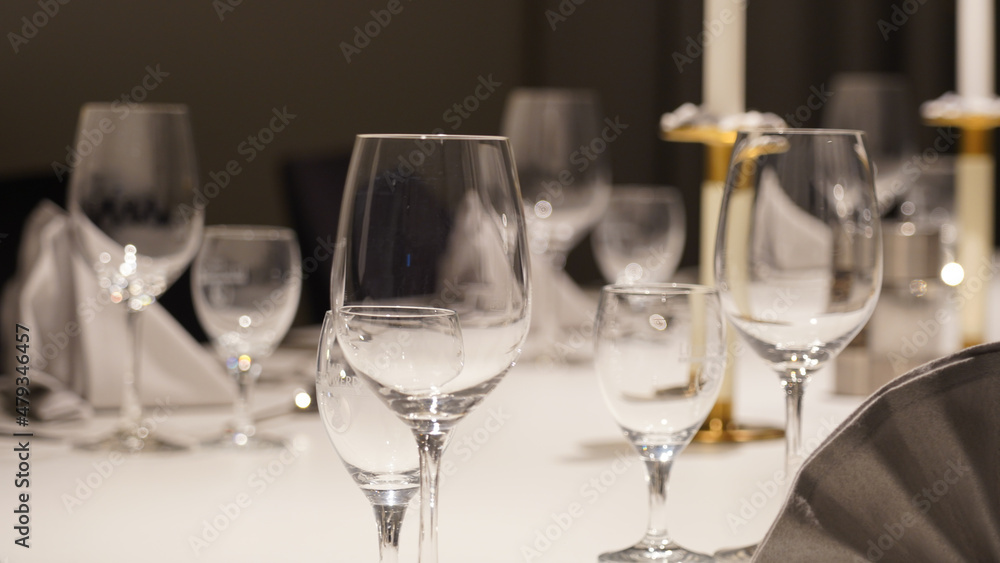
[315,187]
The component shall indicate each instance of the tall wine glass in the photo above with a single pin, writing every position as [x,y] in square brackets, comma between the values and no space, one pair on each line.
[375,446]
[660,357]
[563,159]
[131,198]
[798,258]
[640,238]
[431,229]
[246,283]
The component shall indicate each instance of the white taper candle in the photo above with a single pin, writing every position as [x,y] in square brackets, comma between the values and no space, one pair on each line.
[975,50]
[724,72]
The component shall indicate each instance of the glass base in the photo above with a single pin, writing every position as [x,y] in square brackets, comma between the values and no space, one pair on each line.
[129,442]
[735,554]
[671,553]
[240,441]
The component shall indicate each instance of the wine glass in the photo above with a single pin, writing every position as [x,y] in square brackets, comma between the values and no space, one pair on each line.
[880,104]
[660,357]
[246,283]
[375,446]
[640,238]
[561,147]
[131,199]
[431,236]
[798,260]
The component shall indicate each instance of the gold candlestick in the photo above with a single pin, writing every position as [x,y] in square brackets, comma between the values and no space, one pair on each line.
[974,195]
[719,427]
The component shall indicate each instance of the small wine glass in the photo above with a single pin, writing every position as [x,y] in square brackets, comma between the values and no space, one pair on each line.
[640,238]
[660,357]
[246,283]
[131,199]
[798,260]
[377,449]
[431,245]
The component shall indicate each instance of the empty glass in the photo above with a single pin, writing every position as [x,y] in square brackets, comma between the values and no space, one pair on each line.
[660,356]
[430,283]
[246,283]
[131,198]
[640,238]
[376,447]
[798,260]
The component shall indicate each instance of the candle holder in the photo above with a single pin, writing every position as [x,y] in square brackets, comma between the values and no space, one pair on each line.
[976,117]
[689,124]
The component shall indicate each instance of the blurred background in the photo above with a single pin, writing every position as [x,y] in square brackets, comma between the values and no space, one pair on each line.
[273,86]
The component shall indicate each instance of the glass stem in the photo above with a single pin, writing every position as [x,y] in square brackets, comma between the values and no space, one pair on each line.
[794,385]
[242,419]
[389,518]
[431,445]
[131,411]
[657,476]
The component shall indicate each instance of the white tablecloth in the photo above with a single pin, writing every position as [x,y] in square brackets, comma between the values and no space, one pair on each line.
[539,472]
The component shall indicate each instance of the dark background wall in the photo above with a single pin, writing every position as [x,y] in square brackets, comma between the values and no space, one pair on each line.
[234,70]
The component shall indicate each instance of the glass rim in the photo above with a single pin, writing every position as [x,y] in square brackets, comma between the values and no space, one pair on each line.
[405,311]
[249,232]
[815,131]
[430,136]
[165,108]
[666,288]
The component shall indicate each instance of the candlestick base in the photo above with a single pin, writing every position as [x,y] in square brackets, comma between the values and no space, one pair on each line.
[720,431]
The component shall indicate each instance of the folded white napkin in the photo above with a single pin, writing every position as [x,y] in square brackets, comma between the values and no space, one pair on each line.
[562,317]
[77,336]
